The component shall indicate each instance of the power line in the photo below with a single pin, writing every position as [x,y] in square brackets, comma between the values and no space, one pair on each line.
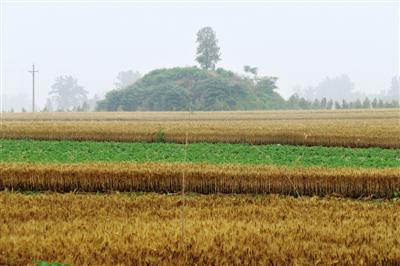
[33,71]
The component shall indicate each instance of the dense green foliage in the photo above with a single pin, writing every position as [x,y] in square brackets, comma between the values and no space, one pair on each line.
[191,88]
[74,151]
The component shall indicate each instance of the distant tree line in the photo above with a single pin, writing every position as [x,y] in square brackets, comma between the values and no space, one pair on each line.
[293,103]
[341,87]
[296,102]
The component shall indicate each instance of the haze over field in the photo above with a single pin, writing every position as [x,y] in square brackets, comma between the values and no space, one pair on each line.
[203,132]
[301,44]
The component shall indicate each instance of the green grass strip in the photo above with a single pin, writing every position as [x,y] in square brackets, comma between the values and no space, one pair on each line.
[90,151]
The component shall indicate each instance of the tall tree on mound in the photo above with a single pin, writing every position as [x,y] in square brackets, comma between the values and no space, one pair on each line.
[208,53]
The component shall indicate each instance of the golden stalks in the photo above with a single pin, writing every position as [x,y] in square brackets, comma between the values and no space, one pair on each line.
[350,128]
[200,178]
[221,230]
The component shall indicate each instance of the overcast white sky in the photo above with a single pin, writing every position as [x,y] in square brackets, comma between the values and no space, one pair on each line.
[300,43]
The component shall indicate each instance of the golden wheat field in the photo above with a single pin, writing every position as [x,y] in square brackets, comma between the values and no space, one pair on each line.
[126,229]
[207,116]
[200,178]
[196,213]
[362,128]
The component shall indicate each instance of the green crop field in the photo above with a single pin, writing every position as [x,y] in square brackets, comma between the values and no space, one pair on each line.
[90,151]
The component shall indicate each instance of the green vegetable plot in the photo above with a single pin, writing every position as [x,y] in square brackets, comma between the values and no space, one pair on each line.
[74,151]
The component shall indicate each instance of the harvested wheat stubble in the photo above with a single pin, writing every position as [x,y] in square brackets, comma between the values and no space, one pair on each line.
[119,229]
[200,178]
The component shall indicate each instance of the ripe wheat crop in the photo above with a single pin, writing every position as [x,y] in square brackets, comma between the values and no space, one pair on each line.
[355,114]
[358,133]
[200,178]
[329,128]
[119,229]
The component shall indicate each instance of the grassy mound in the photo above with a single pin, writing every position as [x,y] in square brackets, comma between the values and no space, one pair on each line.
[191,88]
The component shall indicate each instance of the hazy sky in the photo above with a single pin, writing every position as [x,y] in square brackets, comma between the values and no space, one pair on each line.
[300,43]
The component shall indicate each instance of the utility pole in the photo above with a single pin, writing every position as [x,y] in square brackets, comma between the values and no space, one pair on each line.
[33,71]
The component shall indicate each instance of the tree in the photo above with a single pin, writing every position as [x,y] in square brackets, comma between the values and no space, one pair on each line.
[366,103]
[84,107]
[395,103]
[251,70]
[208,54]
[374,103]
[68,93]
[316,104]
[337,105]
[267,84]
[304,104]
[329,104]
[345,105]
[49,106]
[126,78]
[293,102]
[381,104]
[358,104]
[394,91]
[391,104]
[387,104]
[336,88]
[92,102]
[324,103]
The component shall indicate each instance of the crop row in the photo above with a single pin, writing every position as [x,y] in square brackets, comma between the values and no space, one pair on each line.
[288,155]
[200,178]
[119,229]
[341,132]
[375,114]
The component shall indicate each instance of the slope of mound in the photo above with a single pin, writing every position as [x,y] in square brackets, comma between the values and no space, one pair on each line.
[191,88]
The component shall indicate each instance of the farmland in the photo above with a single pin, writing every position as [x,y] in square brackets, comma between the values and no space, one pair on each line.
[276,187]
[201,178]
[377,128]
[285,155]
[303,115]
[126,229]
